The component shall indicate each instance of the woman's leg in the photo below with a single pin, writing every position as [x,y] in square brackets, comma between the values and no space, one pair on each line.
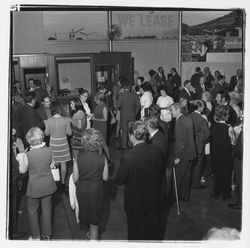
[93,232]
[63,172]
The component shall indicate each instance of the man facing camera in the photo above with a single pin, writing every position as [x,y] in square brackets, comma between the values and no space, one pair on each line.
[140,172]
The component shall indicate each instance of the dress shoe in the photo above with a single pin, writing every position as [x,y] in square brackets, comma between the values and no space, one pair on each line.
[215,196]
[45,238]
[236,206]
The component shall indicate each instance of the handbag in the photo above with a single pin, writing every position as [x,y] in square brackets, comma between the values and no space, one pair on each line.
[56,174]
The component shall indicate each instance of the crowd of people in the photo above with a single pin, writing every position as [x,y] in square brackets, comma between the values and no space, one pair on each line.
[202,121]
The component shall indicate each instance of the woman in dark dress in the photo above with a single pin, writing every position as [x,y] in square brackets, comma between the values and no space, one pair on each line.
[222,139]
[89,172]
[100,118]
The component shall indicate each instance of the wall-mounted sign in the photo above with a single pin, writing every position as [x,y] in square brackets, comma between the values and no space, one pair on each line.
[146,24]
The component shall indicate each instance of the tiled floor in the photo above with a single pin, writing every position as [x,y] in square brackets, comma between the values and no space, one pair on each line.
[197,216]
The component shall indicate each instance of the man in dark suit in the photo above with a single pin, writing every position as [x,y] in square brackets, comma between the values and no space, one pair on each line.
[186,91]
[139,171]
[195,79]
[45,113]
[30,118]
[176,82]
[156,137]
[129,105]
[208,78]
[235,79]
[185,151]
[201,134]
[40,93]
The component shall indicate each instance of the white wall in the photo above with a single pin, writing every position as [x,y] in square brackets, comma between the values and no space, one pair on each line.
[150,54]
[224,57]
[57,47]
[28,32]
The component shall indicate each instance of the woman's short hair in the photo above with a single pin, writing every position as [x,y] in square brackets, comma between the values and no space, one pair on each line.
[151,72]
[92,140]
[55,108]
[138,129]
[146,86]
[164,88]
[100,96]
[35,136]
[221,113]
[141,79]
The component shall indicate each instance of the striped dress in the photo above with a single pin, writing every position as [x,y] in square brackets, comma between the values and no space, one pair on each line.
[58,128]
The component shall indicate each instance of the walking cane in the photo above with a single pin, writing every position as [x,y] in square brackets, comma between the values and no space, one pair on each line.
[176,192]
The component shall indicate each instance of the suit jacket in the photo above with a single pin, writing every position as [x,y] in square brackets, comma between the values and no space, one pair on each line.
[183,93]
[208,81]
[40,93]
[140,170]
[184,139]
[17,118]
[199,91]
[30,118]
[159,140]
[164,127]
[176,81]
[195,79]
[129,105]
[201,131]
[41,111]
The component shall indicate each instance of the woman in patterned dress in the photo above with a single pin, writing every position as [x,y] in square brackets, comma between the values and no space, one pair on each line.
[58,127]
[78,125]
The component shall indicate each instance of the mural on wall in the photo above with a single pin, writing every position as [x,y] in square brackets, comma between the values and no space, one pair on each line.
[145,24]
[210,31]
[75,25]
[92,25]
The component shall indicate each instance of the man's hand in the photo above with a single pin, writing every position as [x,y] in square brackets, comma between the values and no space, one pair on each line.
[177,161]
